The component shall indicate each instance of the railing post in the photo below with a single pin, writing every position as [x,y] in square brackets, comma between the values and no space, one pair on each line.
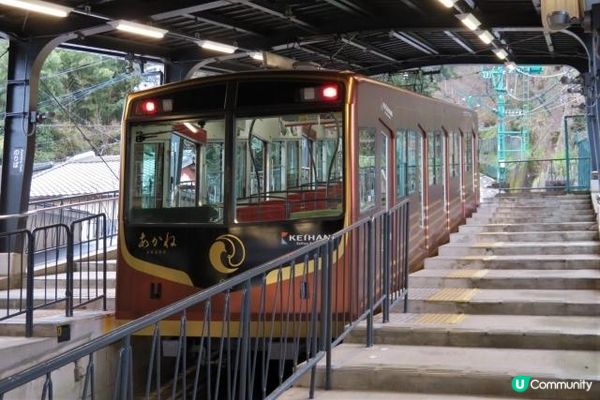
[370,271]
[104,299]
[387,217]
[326,319]
[245,349]
[29,285]
[70,268]
[405,265]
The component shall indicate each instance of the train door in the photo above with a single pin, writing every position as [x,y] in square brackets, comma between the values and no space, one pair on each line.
[446,167]
[385,178]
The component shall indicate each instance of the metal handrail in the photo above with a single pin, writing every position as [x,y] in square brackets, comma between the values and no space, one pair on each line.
[54,208]
[544,159]
[328,256]
[109,194]
[84,238]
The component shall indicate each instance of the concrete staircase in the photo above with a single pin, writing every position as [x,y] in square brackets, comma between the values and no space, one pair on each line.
[50,286]
[515,292]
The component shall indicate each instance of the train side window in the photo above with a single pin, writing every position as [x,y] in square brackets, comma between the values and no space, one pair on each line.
[366,169]
[454,153]
[383,168]
[435,158]
[468,152]
[413,164]
[401,164]
[292,163]
[276,166]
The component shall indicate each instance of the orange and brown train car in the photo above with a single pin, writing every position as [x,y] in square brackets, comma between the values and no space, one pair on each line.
[222,174]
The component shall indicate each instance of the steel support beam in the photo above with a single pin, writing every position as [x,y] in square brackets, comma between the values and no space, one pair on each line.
[460,41]
[414,42]
[352,7]
[189,10]
[549,42]
[368,49]
[410,4]
[25,60]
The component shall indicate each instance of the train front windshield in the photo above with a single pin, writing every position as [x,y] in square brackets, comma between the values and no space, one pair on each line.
[285,166]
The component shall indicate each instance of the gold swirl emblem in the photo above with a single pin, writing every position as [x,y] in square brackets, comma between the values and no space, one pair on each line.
[227,253]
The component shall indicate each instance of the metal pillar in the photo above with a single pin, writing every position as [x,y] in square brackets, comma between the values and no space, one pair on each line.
[179,71]
[25,60]
[593,105]
[175,72]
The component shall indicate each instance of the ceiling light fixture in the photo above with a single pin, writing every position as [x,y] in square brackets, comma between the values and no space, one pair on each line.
[485,36]
[257,55]
[139,29]
[469,21]
[448,3]
[216,46]
[38,6]
[500,53]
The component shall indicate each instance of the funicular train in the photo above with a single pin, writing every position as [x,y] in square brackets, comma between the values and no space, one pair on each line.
[224,173]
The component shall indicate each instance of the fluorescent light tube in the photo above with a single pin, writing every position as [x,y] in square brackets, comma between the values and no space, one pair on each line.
[500,53]
[38,6]
[139,29]
[485,36]
[257,55]
[469,21]
[448,3]
[216,46]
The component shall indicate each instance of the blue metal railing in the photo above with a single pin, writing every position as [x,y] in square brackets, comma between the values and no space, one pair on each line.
[35,258]
[259,332]
[573,174]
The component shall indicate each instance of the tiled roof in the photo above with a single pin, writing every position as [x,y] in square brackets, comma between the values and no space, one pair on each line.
[82,174]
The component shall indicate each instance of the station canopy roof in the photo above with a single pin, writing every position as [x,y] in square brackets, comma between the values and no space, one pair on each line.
[367,36]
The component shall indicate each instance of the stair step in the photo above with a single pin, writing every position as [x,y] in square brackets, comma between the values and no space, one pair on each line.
[546,236]
[567,215]
[565,261]
[519,211]
[515,248]
[542,200]
[478,220]
[506,279]
[539,203]
[501,331]
[535,207]
[302,394]
[543,196]
[503,302]
[111,265]
[11,299]
[533,227]
[457,370]
[53,268]
[80,279]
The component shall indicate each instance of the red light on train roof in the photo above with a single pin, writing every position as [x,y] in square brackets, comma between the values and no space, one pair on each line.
[330,92]
[149,107]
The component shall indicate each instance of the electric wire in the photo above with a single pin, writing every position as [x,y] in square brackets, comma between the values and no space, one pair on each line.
[68,114]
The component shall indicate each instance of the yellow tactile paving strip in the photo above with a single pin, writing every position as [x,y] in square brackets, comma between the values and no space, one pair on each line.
[459,295]
[468,273]
[442,319]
